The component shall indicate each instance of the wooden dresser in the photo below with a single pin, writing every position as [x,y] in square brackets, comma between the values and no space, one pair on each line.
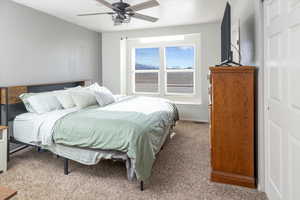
[232,125]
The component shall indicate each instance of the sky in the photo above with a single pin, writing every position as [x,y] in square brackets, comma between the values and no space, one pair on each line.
[179,57]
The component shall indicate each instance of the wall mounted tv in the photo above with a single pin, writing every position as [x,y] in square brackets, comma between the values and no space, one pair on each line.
[226,53]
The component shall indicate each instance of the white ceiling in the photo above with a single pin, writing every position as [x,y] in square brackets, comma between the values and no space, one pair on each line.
[170,12]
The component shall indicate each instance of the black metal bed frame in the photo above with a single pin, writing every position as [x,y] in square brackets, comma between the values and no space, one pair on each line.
[9,111]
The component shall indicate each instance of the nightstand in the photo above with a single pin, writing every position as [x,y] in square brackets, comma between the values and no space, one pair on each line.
[3,148]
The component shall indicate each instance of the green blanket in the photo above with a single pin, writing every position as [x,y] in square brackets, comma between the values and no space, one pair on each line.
[136,126]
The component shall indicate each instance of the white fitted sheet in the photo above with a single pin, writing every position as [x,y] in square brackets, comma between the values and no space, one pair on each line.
[27,126]
[23,127]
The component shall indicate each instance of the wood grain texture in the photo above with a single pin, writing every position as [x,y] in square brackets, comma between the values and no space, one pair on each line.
[233,179]
[2,95]
[11,95]
[14,93]
[6,193]
[232,125]
[3,128]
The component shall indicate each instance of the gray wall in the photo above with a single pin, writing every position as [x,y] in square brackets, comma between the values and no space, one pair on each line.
[38,48]
[249,13]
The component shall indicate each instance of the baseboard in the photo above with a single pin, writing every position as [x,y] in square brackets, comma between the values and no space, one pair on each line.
[234,179]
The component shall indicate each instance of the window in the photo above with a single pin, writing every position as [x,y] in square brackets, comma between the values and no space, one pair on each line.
[147,66]
[180,65]
[163,67]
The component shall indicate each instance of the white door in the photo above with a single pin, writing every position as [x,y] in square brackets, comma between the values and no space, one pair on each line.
[282,96]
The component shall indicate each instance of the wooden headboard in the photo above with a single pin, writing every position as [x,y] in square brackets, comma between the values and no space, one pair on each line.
[11,105]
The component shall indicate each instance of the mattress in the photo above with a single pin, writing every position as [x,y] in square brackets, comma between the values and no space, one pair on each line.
[23,127]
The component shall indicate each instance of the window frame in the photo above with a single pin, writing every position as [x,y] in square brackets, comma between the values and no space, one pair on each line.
[190,40]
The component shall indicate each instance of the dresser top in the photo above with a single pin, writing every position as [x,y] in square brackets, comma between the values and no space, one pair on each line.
[3,128]
[233,69]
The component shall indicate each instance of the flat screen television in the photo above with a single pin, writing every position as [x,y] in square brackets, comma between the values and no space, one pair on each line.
[226,53]
[226,35]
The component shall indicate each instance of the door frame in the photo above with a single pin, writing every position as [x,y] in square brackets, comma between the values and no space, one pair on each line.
[260,99]
[266,107]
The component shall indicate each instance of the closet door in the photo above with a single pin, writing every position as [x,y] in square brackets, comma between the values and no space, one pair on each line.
[282,98]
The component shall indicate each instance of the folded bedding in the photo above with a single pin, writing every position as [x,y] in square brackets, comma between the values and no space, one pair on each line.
[134,125]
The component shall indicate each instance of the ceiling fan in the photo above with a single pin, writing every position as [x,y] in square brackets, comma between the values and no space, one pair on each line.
[122,12]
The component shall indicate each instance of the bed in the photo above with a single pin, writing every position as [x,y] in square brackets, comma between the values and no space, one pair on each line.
[132,129]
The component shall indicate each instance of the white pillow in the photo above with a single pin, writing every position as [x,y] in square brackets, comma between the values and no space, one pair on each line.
[103,95]
[65,100]
[104,98]
[44,102]
[73,88]
[94,87]
[83,98]
[24,97]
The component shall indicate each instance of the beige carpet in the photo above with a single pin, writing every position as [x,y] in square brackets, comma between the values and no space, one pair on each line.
[180,172]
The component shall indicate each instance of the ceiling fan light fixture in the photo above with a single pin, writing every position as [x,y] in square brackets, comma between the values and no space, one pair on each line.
[120,19]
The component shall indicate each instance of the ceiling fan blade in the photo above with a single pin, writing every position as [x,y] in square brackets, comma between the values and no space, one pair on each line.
[105,3]
[145,5]
[91,14]
[145,17]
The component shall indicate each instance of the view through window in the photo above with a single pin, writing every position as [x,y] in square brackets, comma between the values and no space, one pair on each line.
[180,63]
[147,66]
[179,69]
